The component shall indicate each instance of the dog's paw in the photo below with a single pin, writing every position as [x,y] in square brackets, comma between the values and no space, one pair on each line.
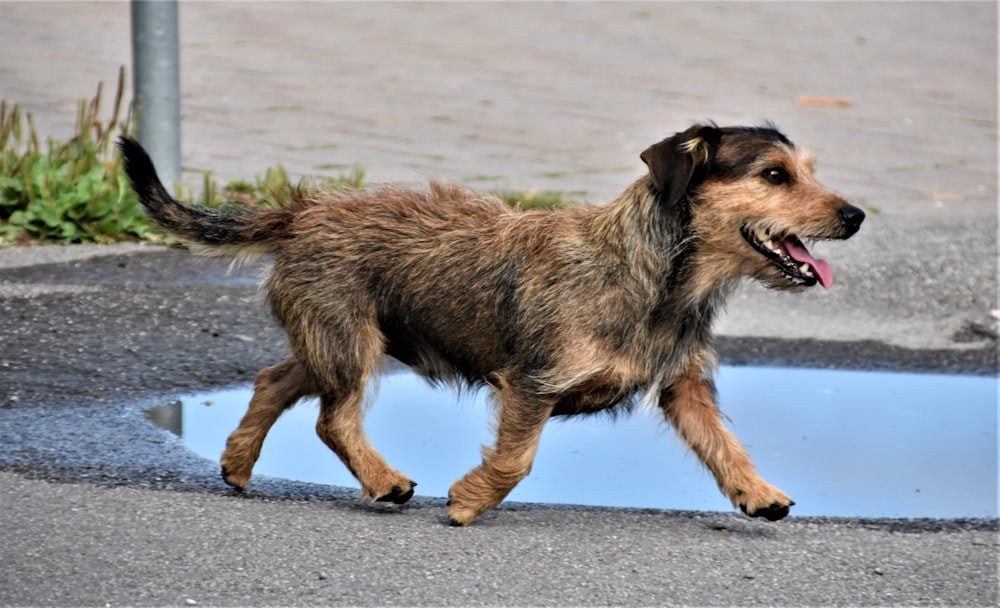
[460,512]
[459,515]
[398,494]
[771,512]
[236,482]
[772,504]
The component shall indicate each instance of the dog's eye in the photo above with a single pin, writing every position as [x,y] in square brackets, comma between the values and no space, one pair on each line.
[775,175]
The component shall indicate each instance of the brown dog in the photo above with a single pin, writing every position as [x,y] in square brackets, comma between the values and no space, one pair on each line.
[558,313]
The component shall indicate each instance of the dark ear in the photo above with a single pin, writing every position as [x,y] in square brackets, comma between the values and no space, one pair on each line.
[675,160]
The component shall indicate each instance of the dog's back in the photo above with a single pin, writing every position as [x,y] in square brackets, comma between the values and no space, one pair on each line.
[393,257]
[460,286]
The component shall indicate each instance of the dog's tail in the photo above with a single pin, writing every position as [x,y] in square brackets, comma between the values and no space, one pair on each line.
[239,226]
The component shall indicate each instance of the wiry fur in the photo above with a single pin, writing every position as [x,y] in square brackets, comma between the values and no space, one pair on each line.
[560,312]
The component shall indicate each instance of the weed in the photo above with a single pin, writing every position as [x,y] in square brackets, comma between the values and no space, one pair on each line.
[535,199]
[484,178]
[72,191]
[313,147]
[289,108]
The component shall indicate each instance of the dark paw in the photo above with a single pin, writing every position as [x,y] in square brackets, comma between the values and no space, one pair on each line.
[225,478]
[772,512]
[398,495]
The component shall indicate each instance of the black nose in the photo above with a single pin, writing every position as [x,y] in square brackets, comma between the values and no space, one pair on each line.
[851,217]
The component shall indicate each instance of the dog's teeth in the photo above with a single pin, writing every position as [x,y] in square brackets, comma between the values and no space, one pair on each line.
[806,270]
[770,245]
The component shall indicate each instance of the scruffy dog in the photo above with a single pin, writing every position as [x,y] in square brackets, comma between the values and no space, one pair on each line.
[557,313]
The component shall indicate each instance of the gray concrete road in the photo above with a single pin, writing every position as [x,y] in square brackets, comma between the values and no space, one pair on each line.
[97,507]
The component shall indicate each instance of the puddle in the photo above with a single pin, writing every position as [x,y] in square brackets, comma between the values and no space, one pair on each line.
[841,443]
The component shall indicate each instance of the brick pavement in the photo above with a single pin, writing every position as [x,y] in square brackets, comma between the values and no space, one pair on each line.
[546,95]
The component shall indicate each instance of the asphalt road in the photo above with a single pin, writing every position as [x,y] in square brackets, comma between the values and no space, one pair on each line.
[98,507]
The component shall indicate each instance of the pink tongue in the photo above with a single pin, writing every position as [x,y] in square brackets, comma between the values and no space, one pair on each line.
[800,254]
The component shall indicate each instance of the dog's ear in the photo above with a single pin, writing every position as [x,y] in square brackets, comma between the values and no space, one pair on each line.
[674,161]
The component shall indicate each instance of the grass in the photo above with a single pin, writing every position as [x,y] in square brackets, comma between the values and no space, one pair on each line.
[75,191]
[535,199]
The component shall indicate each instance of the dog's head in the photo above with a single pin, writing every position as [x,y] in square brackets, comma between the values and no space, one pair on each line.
[751,201]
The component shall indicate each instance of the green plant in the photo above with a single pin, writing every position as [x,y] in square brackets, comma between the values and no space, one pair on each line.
[535,199]
[271,190]
[68,192]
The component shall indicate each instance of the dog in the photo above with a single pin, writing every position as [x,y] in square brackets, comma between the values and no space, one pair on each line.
[561,312]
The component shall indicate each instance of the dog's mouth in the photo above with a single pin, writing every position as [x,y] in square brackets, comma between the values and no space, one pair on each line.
[787,253]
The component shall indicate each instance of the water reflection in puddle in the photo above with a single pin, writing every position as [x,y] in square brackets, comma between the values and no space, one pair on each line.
[839,442]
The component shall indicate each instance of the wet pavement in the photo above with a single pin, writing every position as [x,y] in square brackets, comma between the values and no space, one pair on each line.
[101,507]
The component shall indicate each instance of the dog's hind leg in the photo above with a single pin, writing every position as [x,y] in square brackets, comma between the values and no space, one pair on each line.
[275,390]
[690,406]
[521,418]
[340,345]
[340,427]
[343,374]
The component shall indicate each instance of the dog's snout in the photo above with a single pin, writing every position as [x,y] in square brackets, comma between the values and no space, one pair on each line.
[851,218]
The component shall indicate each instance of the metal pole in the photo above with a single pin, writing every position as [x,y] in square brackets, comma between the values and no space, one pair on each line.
[156,84]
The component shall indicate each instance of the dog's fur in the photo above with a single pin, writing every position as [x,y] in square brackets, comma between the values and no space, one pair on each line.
[557,313]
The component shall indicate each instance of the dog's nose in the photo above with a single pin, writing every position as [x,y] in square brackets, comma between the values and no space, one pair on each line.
[851,217]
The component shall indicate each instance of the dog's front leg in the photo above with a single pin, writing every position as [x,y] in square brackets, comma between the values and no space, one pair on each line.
[521,418]
[690,405]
